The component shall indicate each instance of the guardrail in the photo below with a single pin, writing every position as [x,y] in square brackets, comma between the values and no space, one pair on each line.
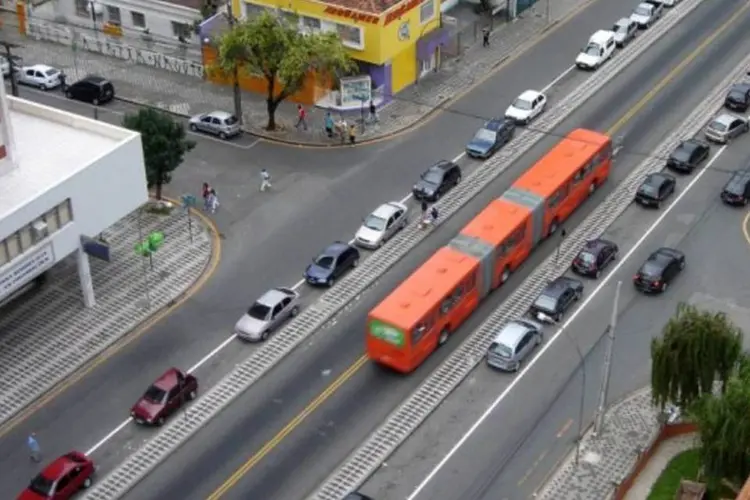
[349,289]
[415,410]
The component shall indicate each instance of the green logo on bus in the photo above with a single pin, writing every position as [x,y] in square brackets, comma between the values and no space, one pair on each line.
[387,333]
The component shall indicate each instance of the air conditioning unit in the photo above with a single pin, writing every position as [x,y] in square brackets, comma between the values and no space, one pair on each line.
[39,229]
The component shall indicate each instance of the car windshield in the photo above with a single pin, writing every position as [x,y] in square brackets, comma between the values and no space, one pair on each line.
[620,28]
[42,485]
[155,395]
[642,10]
[258,311]
[231,120]
[587,257]
[522,104]
[375,223]
[485,135]
[51,72]
[681,154]
[737,95]
[546,303]
[592,50]
[650,270]
[501,350]
[649,188]
[324,261]
[718,126]
[432,176]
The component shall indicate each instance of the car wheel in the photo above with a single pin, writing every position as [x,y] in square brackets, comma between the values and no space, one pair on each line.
[160,421]
[658,204]
[294,311]
[592,188]
[69,94]
[458,179]
[95,101]
[578,295]
[87,483]
[192,395]
[222,136]
[558,317]
[664,287]
[506,274]
[42,86]
[355,263]
[444,336]
[517,366]
[264,335]
[193,127]
[330,282]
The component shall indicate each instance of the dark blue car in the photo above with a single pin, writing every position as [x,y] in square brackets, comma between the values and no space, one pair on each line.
[490,138]
[331,264]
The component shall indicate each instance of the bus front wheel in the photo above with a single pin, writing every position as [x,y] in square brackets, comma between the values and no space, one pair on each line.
[444,335]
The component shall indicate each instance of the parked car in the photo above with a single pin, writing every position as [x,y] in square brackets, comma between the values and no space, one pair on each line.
[655,189]
[669,3]
[647,13]
[40,76]
[738,97]
[659,270]
[167,394]
[490,138]
[736,192]
[600,48]
[625,31]
[556,298]
[726,127]
[219,123]
[526,107]
[688,155]
[594,257]
[94,89]
[267,313]
[436,181]
[61,479]
[331,264]
[513,344]
[380,226]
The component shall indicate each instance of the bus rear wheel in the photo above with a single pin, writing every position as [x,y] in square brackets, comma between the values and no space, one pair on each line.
[444,336]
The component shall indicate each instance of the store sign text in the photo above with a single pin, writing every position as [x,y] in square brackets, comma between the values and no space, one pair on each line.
[26,270]
[400,10]
[351,14]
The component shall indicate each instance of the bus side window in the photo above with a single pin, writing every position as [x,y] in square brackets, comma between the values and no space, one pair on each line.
[421,329]
[579,176]
[559,196]
[452,299]
[590,167]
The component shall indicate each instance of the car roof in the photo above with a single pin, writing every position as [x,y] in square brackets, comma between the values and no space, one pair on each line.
[596,245]
[58,468]
[272,297]
[529,95]
[41,67]
[691,144]
[742,87]
[442,165]
[739,177]
[657,178]
[512,333]
[386,210]
[219,114]
[601,36]
[558,286]
[167,380]
[624,21]
[646,4]
[664,255]
[99,80]
[496,124]
[335,249]
[725,118]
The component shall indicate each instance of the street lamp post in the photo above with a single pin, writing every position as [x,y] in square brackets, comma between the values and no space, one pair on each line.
[92,9]
[583,393]
[563,234]
[599,422]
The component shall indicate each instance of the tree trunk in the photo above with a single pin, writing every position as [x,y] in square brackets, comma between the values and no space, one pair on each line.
[272,105]
[158,191]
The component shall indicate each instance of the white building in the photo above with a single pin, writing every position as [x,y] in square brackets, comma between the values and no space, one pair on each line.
[62,176]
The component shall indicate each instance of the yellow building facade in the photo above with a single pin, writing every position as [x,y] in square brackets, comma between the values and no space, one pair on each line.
[394,41]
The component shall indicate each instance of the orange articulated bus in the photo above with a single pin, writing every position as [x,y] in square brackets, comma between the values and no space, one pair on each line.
[422,312]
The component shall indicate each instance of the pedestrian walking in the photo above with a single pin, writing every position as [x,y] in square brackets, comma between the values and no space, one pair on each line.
[301,117]
[35,452]
[265,180]
[343,128]
[485,37]
[205,191]
[329,125]
[213,201]
[373,112]
[353,133]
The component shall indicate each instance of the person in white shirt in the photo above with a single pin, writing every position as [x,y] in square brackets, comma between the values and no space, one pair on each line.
[265,180]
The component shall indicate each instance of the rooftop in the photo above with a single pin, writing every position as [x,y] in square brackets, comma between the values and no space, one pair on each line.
[50,145]
[370,6]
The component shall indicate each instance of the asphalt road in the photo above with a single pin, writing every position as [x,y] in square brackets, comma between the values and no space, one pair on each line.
[340,421]
[319,197]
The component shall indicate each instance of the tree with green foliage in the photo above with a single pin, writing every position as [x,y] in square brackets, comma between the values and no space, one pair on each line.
[164,142]
[724,429]
[270,46]
[696,348]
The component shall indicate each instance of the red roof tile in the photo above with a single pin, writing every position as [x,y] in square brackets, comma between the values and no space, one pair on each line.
[370,6]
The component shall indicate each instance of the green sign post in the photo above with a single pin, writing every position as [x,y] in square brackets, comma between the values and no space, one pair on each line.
[149,246]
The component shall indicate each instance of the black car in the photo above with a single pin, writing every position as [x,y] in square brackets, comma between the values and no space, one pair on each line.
[655,188]
[688,155]
[93,89]
[556,298]
[436,181]
[490,138]
[737,190]
[738,98]
[659,270]
[331,264]
[594,257]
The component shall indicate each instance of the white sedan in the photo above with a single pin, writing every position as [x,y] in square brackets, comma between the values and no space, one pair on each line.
[526,107]
[41,76]
[378,227]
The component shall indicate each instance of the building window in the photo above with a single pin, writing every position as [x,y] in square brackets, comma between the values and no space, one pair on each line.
[181,30]
[52,221]
[350,35]
[13,246]
[113,15]
[427,11]
[63,213]
[290,18]
[82,8]
[252,10]
[139,20]
[3,254]
[311,23]
[25,238]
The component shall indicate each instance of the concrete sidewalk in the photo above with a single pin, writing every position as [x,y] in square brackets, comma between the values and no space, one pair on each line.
[47,335]
[186,95]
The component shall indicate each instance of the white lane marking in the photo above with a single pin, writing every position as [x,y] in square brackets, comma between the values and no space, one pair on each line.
[457,158]
[530,365]
[407,198]
[298,284]
[557,80]
[109,436]
[211,354]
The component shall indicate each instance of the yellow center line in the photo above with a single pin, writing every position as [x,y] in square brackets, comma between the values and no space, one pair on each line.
[344,377]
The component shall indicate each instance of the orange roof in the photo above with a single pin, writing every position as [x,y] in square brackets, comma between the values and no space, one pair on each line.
[370,6]
[496,222]
[425,288]
[561,162]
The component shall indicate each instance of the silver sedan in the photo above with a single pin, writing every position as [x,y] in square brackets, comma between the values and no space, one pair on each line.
[219,123]
[267,313]
[378,227]
[726,127]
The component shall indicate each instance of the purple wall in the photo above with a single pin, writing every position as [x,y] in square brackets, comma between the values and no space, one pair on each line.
[427,44]
[381,76]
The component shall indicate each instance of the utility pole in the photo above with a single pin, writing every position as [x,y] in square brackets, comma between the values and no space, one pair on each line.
[599,422]
[12,66]
[235,72]
[582,360]
[548,12]
[563,234]
[92,8]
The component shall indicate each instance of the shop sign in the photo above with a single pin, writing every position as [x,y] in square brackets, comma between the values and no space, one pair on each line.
[356,90]
[26,270]
[403,31]
[351,14]
[401,9]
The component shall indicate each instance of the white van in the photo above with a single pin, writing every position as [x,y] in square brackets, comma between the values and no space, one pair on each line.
[601,46]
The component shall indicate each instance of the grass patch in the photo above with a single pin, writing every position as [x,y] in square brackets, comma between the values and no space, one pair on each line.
[684,465]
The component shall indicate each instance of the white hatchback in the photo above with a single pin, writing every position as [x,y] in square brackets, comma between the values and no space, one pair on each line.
[526,107]
[41,76]
[382,224]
